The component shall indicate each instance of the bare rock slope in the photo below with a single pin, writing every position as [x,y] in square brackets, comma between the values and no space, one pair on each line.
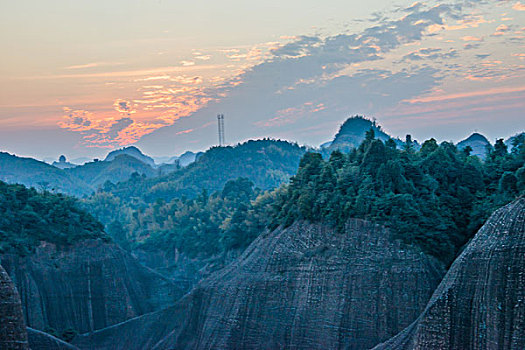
[306,286]
[90,285]
[39,340]
[13,334]
[480,304]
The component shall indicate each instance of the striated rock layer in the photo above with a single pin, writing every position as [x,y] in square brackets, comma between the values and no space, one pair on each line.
[13,333]
[304,287]
[480,304]
[39,340]
[88,286]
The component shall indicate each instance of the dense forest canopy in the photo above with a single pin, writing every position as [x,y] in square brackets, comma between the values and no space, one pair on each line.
[267,163]
[435,198]
[28,217]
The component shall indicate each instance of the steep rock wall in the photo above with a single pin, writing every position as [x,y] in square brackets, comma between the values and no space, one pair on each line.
[13,333]
[306,286]
[88,286]
[480,304]
[39,340]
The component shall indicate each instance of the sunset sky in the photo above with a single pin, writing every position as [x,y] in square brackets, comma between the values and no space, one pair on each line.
[83,77]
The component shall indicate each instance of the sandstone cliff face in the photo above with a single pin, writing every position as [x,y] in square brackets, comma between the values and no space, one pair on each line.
[302,287]
[13,333]
[39,340]
[88,286]
[480,304]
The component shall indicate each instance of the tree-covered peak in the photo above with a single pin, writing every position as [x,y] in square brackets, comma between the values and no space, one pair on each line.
[353,132]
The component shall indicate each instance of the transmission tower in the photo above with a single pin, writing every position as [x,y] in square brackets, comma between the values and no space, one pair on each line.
[220,123]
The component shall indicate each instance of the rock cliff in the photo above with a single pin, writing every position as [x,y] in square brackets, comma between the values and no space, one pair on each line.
[306,286]
[39,340]
[13,333]
[88,286]
[480,304]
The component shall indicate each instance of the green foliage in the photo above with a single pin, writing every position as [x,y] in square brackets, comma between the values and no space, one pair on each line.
[435,198]
[34,173]
[28,217]
[120,168]
[205,225]
[267,163]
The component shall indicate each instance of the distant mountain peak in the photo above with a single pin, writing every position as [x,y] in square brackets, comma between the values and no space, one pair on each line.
[477,137]
[130,151]
[353,131]
[477,142]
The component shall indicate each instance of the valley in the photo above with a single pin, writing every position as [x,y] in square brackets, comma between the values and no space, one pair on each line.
[367,242]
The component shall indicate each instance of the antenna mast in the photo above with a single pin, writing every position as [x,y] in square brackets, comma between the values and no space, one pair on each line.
[220,123]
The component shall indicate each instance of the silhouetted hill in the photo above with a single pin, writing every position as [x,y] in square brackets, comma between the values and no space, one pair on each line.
[478,143]
[118,169]
[353,131]
[131,151]
[33,173]
[62,163]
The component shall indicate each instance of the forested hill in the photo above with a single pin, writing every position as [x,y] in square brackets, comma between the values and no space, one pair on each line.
[34,173]
[352,133]
[435,198]
[131,151]
[119,168]
[267,163]
[28,217]
[79,180]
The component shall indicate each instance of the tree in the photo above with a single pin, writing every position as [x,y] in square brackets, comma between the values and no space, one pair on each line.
[508,183]
[467,151]
[500,148]
[408,146]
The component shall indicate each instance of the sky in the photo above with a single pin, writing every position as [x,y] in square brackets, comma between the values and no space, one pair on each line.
[81,78]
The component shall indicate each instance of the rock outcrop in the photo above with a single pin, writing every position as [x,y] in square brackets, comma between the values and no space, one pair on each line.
[480,304]
[13,333]
[39,340]
[306,286]
[87,286]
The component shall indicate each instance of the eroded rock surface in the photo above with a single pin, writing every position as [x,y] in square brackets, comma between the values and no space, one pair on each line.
[39,340]
[304,287]
[13,333]
[88,286]
[480,304]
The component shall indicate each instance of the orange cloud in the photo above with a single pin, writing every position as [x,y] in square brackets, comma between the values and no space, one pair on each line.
[518,6]
[471,38]
[83,66]
[156,72]
[184,132]
[501,30]
[501,90]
